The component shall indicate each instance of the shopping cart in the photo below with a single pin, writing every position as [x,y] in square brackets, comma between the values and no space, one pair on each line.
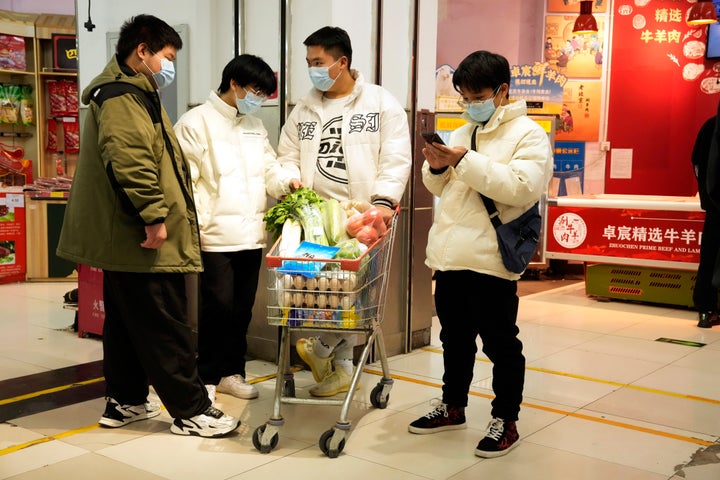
[327,295]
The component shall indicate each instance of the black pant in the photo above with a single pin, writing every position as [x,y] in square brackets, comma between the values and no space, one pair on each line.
[227,294]
[146,339]
[469,304]
[705,295]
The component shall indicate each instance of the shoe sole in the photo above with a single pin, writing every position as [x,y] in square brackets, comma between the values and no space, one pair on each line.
[306,358]
[214,434]
[427,431]
[112,423]
[334,392]
[484,454]
[241,396]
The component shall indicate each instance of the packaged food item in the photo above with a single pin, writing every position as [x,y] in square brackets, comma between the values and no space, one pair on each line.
[12,53]
[52,138]
[57,98]
[71,130]
[71,97]
[27,112]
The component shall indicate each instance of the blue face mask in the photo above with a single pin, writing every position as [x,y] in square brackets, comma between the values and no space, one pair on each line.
[250,104]
[166,75]
[320,77]
[481,111]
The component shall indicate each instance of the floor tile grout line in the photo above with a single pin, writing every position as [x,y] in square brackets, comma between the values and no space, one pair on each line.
[567,413]
[18,447]
[711,401]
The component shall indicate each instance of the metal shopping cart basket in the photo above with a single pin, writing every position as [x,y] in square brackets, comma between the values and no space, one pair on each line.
[327,295]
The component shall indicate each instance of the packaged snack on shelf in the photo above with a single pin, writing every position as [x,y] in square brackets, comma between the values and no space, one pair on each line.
[52,137]
[12,53]
[57,98]
[27,112]
[71,131]
[71,97]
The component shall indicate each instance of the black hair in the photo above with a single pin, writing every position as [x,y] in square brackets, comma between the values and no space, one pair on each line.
[249,70]
[334,40]
[481,70]
[147,29]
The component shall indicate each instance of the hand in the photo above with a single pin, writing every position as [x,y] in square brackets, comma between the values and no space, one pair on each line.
[294,184]
[387,213]
[441,156]
[155,236]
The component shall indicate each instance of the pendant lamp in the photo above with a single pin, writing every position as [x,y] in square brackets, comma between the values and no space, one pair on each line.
[585,22]
[702,13]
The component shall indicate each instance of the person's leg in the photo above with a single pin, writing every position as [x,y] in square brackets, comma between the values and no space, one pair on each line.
[125,378]
[156,322]
[499,335]
[504,349]
[245,268]
[339,379]
[215,323]
[458,303]
[317,352]
[705,294]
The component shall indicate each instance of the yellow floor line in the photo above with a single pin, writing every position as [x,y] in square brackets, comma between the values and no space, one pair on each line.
[296,368]
[599,380]
[19,398]
[566,413]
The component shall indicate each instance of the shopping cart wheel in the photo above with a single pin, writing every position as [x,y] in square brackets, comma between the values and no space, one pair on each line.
[258,437]
[378,398]
[329,439]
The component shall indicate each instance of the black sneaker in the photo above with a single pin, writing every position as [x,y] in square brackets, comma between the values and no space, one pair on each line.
[117,415]
[708,319]
[502,437]
[211,423]
[444,417]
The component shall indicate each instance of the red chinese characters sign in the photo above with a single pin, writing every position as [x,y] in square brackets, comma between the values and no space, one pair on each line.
[625,235]
[662,91]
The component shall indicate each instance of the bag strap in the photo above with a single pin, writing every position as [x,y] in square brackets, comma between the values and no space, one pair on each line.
[489,204]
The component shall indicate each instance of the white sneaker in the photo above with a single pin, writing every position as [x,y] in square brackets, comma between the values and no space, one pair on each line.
[117,415]
[211,392]
[337,382]
[236,386]
[211,423]
[320,367]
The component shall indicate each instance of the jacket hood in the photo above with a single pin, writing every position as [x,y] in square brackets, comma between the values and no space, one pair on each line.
[503,113]
[116,72]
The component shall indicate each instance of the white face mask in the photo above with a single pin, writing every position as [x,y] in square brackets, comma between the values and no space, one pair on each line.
[320,77]
[166,75]
[250,104]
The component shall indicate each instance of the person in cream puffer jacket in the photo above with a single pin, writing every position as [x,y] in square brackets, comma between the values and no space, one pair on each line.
[233,168]
[507,157]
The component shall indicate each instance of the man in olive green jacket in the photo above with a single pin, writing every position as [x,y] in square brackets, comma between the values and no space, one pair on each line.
[131,213]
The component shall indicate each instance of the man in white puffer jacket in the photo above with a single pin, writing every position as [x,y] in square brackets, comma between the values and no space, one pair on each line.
[509,160]
[233,168]
[347,140]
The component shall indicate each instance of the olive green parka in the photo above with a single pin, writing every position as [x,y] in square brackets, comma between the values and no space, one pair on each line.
[128,178]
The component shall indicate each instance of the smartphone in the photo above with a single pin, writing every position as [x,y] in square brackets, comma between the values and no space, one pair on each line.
[432,137]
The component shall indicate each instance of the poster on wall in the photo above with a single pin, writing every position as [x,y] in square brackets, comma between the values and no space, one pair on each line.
[12,236]
[573,55]
[573,6]
[580,114]
[540,86]
[663,90]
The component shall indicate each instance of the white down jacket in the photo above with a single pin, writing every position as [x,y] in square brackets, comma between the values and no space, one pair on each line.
[375,141]
[230,158]
[512,165]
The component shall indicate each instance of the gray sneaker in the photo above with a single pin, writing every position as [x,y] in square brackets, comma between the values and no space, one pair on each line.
[236,386]
[211,423]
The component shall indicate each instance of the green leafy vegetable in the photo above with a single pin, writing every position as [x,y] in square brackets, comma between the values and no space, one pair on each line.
[304,205]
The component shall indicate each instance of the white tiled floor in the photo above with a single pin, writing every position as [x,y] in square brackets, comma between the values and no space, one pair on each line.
[603,400]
